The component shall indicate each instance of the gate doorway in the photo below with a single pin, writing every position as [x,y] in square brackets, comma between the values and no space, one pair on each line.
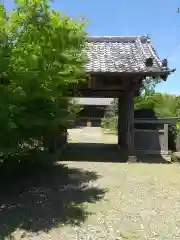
[117,68]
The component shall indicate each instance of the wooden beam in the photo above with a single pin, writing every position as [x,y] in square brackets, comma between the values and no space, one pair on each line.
[101,87]
[106,83]
[98,93]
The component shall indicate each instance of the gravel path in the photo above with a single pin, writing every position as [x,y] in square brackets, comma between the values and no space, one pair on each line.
[95,200]
[142,202]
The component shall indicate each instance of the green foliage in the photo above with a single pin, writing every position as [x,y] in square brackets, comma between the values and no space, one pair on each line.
[41,55]
[164,105]
[110,124]
[110,120]
[148,86]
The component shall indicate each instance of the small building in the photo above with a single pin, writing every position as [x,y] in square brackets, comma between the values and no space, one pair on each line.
[93,110]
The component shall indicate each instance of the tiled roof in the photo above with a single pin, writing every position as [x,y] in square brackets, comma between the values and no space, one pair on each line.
[121,54]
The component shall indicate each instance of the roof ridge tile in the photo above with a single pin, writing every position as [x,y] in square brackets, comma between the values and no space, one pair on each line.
[116,38]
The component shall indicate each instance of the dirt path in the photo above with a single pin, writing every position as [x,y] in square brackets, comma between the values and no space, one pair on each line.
[96,200]
[90,135]
[141,202]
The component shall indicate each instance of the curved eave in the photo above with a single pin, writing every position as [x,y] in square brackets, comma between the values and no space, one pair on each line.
[163,73]
[166,73]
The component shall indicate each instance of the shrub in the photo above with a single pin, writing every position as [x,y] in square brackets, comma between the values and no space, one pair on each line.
[41,53]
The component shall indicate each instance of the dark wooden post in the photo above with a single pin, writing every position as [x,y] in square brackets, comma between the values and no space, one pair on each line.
[130,126]
[126,125]
[122,123]
[166,148]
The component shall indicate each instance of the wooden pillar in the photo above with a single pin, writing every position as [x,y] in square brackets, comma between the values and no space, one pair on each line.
[166,147]
[122,142]
[130,127]
[126,125]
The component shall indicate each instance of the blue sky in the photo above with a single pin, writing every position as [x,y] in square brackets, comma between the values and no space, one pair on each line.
[129,17]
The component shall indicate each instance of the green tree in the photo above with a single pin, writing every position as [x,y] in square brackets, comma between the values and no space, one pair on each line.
[148,85]
[164,105]
[41,55]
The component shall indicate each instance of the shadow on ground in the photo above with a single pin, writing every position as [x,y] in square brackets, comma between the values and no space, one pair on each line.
[100,152]
[54,197]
